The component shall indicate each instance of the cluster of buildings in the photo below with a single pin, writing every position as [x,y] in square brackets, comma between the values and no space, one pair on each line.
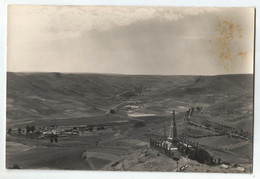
[59,131]
[64,131]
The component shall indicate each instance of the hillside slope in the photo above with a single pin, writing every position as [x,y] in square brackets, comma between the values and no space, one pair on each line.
[32,96]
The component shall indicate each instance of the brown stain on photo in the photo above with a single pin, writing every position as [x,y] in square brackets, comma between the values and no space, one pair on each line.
[242,55]
[224,45]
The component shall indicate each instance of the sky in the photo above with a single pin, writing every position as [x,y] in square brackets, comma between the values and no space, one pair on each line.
[130,40]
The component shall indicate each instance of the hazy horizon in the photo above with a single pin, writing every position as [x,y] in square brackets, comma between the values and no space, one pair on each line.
[130,40]
[121,74]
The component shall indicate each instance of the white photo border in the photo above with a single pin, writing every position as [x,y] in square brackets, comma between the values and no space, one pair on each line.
[40,174]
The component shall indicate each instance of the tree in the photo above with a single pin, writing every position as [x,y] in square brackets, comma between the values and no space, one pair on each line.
[101,128]
[32,128]
[9,131]
[112,111]
[90,129]
[28,129]
[19,130]
[56,139]
[207,124]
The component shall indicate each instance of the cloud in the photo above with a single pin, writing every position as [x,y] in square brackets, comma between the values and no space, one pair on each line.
[62,21]
[149,40]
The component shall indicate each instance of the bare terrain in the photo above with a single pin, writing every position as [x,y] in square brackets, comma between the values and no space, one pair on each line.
[124,111]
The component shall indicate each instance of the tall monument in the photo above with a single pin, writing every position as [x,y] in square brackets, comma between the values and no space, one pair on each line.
[173,129]
[174,136]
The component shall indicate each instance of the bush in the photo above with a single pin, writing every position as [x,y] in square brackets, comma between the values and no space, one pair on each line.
[139,124]
[112,111]
[15,166]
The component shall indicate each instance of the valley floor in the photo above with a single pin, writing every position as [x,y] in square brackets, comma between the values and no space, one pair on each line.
[133,109]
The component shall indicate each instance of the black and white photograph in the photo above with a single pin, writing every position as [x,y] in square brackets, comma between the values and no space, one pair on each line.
[130,88]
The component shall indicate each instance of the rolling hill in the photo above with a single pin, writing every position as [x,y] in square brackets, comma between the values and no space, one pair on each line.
[34,96]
